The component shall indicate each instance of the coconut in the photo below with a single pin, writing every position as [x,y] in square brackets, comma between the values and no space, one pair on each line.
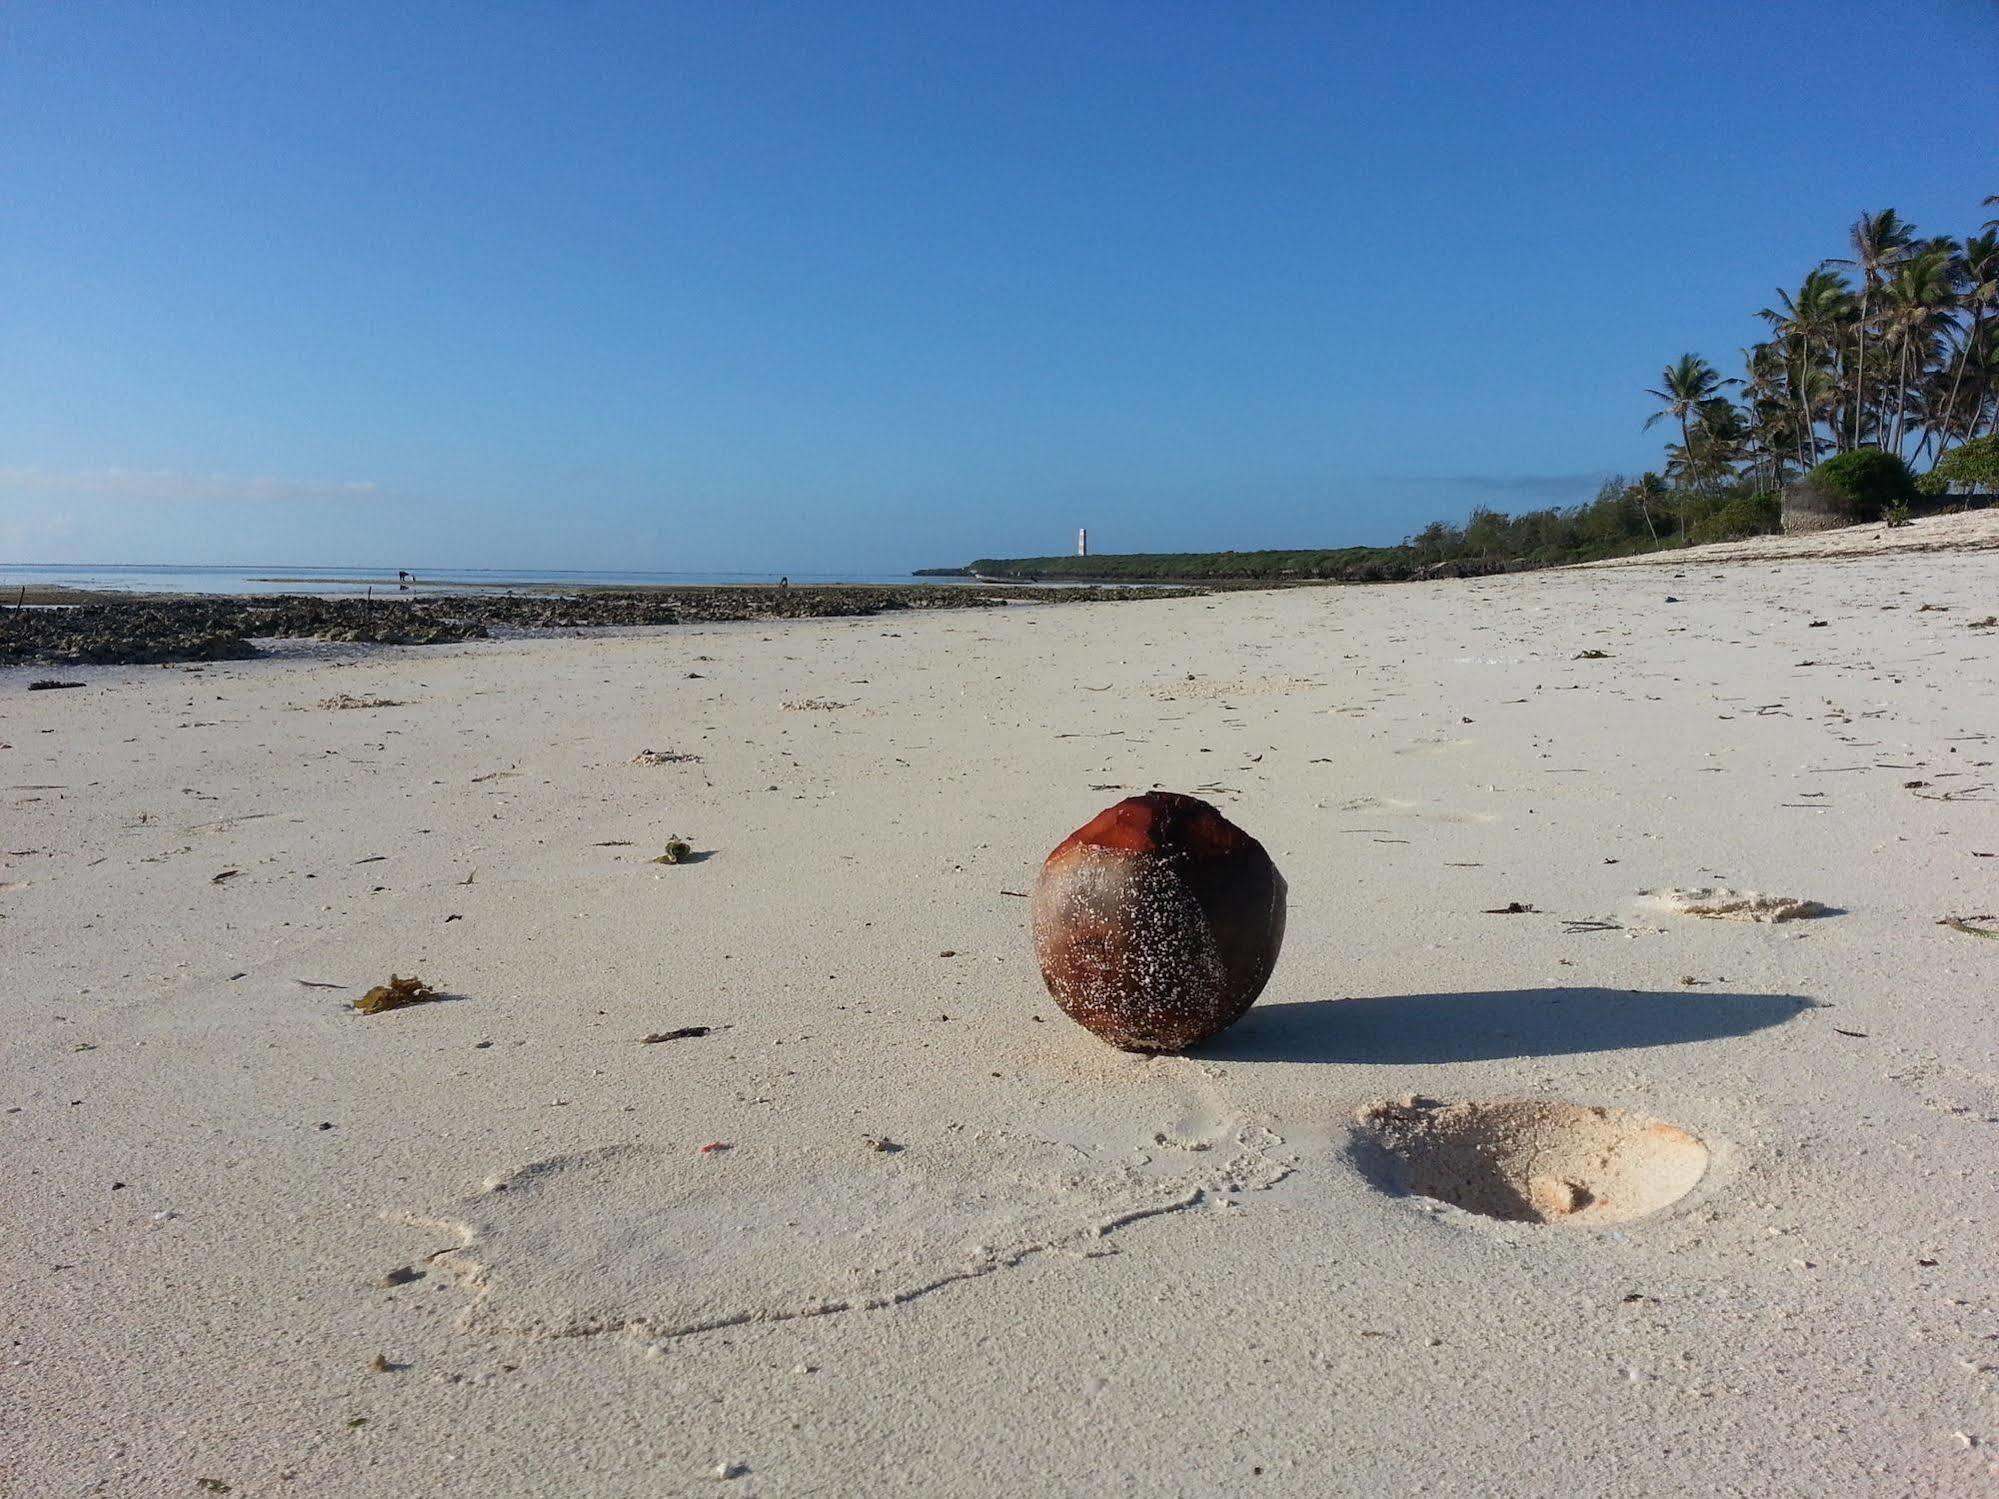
[1158,922]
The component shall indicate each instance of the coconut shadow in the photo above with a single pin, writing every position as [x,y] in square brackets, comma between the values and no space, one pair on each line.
[1489,1026]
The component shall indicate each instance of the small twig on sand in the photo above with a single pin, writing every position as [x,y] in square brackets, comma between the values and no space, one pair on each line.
[1962,924]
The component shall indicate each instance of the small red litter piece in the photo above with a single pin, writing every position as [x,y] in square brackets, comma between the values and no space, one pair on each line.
[714,1145]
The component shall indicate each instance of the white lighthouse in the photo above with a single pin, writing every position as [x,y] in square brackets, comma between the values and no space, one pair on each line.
[1083,542]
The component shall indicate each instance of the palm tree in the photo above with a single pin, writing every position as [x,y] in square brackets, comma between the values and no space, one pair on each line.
[1815,317]
[1775,432]
[1821,394]
[1917,307]
[1979,271]
[1689,383]
[1718,440]
[1649,487]
[1721,438]
[1880,241]
[1903,356]
[1985,387]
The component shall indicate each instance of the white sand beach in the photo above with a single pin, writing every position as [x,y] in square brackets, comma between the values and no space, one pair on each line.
[893,1225]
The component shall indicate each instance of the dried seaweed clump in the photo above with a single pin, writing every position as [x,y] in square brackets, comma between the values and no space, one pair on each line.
[393,995]
[342,700]
[661,757]
[1717,903]
[678,851]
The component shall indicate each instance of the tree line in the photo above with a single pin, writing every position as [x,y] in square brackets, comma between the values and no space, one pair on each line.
[1901,356]
[1872,387]
[1879,381]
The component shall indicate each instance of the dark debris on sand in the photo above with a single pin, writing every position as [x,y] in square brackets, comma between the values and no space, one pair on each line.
[146,630]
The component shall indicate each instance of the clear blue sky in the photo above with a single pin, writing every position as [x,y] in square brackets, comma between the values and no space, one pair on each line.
[846,285]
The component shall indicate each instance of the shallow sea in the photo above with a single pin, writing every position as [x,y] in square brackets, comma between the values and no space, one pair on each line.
[288,578]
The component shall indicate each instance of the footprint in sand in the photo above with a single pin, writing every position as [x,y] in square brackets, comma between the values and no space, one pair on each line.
[661,1243]
[1950,1090]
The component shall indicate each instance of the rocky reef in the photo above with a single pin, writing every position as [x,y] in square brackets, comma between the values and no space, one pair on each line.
[110,630]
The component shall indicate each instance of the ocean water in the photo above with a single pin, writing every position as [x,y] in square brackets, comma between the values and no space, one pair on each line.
[349,581]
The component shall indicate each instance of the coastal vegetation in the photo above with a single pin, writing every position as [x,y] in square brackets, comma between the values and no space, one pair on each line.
[1863,485]
[1626,516]
[1346,564]
[1974,466]
[1874,390]
[1900,358]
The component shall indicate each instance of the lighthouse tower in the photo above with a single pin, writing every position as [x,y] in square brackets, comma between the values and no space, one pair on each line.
[1083,542]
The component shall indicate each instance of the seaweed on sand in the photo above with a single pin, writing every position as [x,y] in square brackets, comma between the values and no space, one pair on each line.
[678,851]
[394,995]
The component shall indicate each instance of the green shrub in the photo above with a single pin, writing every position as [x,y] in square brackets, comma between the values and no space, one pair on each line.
[1736,518]
[1862,484]
[1975,465]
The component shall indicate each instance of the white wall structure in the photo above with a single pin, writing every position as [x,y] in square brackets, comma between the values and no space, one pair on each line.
[1083,542]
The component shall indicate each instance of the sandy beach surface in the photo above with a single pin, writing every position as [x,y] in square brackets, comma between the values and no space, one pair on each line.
[891,1224]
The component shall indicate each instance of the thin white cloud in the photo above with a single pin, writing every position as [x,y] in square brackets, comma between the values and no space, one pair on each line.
[1521,483]
[166,484]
